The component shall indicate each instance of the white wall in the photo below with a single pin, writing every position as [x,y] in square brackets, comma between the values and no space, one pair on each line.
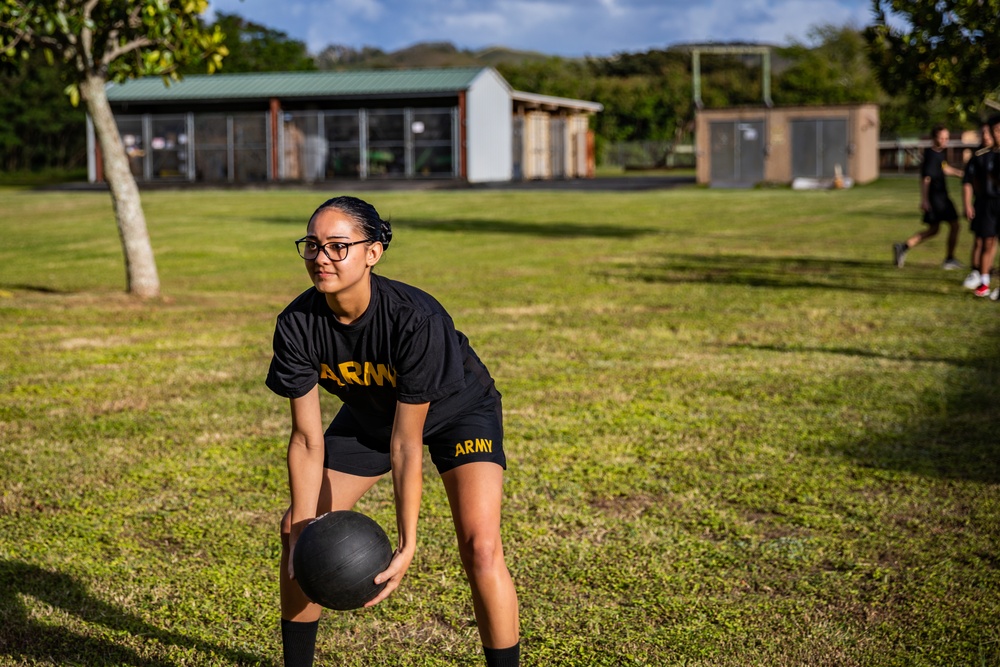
[488,130]
[91,151]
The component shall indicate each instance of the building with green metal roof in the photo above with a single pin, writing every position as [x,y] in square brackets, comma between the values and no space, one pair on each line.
[458,123]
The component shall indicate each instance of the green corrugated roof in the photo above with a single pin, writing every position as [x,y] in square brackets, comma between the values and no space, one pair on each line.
[294,84]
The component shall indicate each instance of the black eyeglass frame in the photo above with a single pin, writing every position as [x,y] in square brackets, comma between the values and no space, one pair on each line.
[325,248]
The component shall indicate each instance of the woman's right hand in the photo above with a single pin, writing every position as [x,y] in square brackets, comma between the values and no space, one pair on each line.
[392,575]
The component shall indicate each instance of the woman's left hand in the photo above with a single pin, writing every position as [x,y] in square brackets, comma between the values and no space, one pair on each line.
[392,575]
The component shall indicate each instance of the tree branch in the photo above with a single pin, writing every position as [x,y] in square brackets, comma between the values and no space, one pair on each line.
[87,37]
[19,36]
[88,8]
[134,45]
[135,17]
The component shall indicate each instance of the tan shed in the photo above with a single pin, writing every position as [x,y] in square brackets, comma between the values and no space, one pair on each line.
[742,147]
[552,137]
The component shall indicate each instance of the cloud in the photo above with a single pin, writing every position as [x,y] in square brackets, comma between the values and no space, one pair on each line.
[557,27]
[771,22]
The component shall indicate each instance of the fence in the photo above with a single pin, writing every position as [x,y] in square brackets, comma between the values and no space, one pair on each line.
[648,155]
[906,155]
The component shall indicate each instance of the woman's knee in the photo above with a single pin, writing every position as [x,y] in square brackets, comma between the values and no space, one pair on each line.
[481,552]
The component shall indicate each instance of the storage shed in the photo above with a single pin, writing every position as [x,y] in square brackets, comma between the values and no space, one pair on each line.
[462,123]
[741,147]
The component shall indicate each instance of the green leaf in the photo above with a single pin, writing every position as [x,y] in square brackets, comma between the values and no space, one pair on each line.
[73,91]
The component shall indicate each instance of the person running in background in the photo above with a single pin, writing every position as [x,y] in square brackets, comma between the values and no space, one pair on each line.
[934,201]
[992,188]
[982,220]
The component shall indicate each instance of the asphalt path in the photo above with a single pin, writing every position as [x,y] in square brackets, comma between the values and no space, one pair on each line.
[606,183]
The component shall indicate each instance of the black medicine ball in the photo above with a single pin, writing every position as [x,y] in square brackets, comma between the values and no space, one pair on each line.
[337,557]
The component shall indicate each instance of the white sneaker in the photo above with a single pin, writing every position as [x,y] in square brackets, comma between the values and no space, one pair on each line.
[995,294]
[972,280]
[951,264]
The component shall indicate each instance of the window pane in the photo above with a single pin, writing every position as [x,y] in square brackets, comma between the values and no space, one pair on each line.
[431,126]
[343,127]
[385,126]
[433,161]
[344,162]
[130,129]
[304,148]
[343,133]
[250,146]
[168,147]
[386,161]
[211,155]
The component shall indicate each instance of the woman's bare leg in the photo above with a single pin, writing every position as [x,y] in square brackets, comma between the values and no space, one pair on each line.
[474,493]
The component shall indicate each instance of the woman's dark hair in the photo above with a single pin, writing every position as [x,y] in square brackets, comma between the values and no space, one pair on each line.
[371,223]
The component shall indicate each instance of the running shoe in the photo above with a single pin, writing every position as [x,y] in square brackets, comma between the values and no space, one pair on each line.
[972,280]
[995,294]
[951,264]
[982,290]
[899,254]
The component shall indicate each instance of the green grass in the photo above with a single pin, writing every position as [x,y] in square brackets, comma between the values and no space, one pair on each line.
[737,435]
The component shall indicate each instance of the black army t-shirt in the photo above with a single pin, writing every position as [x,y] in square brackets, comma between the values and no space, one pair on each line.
[977,174]
[403,348]
[933,167]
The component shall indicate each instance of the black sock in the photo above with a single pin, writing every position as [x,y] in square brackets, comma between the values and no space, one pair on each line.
[503,657]
[298,641]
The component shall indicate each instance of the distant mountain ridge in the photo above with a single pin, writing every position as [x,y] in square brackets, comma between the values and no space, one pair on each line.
[422,55]
[446,54]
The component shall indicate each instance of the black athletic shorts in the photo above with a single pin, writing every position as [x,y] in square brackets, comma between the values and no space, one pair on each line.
[942,209]
[985,224]
[469,438]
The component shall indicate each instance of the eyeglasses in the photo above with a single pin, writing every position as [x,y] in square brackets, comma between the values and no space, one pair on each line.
[336,252]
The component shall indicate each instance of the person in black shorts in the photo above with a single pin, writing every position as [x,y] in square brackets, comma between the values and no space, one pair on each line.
[407,379]
[992,189]
[981,213]
[935,203]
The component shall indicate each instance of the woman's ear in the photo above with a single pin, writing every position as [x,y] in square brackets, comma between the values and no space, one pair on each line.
[374,253]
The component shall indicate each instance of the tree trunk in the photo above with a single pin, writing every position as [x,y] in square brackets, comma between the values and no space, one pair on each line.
[140,266]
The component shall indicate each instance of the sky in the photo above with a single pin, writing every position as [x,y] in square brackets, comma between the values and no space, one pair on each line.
[568,28]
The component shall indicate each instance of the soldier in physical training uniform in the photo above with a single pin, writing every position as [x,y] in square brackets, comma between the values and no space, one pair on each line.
[974,198]
[935,202]
[408,379]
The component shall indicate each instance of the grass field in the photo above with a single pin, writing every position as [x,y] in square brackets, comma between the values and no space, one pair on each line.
[737,435]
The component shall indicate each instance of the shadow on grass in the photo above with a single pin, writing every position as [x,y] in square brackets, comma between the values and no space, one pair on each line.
[857,352]
[552,230]
[41,289]
[28,640]
[958,434]
[776,272]
[958,437]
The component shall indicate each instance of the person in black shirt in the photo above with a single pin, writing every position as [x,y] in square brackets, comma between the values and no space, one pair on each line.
[407,379]
[980,213]
[992,188]
[935,203]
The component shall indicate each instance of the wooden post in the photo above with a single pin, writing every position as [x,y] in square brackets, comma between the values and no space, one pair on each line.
[275,128]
